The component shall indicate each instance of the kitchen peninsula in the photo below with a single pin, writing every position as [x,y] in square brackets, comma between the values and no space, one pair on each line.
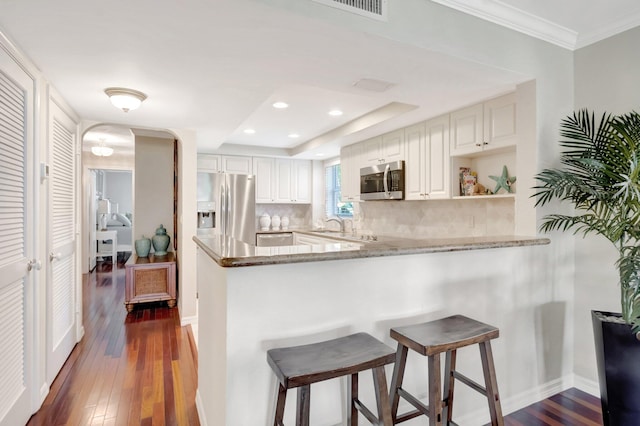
[252,299]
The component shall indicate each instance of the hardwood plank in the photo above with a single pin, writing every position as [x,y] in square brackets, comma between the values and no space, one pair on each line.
[125,368]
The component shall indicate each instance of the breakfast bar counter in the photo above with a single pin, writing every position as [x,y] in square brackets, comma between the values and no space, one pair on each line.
[252,299]
[228,252]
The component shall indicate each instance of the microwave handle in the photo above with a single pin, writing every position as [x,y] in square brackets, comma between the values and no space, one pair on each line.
[385,180]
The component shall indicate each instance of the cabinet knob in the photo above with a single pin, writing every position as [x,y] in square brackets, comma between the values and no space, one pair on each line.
[478,145]
[485,143]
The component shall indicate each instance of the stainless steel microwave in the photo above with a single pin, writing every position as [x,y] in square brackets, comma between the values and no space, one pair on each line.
[382,181]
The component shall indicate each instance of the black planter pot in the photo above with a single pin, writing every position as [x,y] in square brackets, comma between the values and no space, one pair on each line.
[618,357]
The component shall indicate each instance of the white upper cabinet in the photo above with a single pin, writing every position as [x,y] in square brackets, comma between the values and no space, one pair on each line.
[237,164]
[209,163]
[282,181]
[350,160]
[293,181]
[500,122]
[427,165]
[264,169]
[225,163]
[483,127]
[301,176]
[384,149]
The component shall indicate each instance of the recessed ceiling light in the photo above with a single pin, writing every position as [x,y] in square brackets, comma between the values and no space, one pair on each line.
[249,131]
[335,112]
[294,135]
[320,154]
[280,105]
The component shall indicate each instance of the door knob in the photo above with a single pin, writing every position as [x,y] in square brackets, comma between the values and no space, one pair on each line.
[54,256]
[34,264]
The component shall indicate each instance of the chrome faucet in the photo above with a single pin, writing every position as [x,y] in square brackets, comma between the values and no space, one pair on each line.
[339,220]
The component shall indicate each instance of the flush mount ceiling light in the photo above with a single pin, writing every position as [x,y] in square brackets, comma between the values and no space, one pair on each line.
[125,99]
[280,105]
[249,131]
[294,135]
[101,150]
[335,112]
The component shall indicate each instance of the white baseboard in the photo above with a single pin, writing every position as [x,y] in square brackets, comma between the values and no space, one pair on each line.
[519,401]
[201,414]
[44,391]
[189,320]
[586,385]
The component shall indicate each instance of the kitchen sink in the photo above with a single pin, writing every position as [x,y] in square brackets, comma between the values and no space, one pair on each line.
[360,238]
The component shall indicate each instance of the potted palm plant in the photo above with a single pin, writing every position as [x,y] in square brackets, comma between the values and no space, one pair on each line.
[600,176]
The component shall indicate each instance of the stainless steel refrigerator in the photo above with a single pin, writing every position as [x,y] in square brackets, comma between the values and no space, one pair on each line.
[235,204]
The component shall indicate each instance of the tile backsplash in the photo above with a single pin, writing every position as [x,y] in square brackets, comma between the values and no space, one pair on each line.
[299,214]
[437,218]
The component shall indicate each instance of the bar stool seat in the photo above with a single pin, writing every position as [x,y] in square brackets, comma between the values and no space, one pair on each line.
[301,366]
[431,339]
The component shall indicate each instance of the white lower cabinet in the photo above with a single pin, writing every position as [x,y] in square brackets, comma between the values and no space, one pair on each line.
[427,173]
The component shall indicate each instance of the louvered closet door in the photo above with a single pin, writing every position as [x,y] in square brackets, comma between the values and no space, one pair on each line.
[16,242]
[61,282]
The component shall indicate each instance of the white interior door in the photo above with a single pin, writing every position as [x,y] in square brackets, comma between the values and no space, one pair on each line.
[17,243]
[61,271]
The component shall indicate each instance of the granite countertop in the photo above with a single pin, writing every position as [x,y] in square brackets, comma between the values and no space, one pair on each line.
[229,252]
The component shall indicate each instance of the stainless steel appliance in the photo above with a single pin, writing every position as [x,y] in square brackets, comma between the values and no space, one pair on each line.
[235,204]
[274,239]
[206,214]
[382,181]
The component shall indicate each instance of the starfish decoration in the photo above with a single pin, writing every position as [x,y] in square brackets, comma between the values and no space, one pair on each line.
[503,181]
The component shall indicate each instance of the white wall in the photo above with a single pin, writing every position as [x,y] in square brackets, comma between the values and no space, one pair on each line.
[606,79]
[153,187]
[119,189]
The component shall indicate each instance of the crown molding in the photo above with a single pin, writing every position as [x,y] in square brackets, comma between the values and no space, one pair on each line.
[515,19]
[607,31]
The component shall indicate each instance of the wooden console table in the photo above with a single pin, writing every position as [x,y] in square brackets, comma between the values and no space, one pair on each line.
[150,279]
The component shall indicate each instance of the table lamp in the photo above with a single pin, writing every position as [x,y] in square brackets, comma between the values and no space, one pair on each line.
[104,208]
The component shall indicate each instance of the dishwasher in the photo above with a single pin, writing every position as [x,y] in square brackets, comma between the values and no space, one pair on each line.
[274,239]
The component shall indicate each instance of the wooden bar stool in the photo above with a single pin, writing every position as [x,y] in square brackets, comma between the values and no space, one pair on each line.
[300,366]
[431,339]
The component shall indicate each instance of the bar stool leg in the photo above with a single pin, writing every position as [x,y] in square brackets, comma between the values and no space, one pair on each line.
[449,383]
[304,403]
[435,397]
[352,395]
[281,391]
[382,397]
[396,380]
[491,383]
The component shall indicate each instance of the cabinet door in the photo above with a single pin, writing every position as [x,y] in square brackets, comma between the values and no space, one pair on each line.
[283,181]
[350,172]
[209,163]
[264,169]
[371,150]
[237,164]
[301,181]
[437,175]
[414,177]
[500,122]
[466,130]
[393,146]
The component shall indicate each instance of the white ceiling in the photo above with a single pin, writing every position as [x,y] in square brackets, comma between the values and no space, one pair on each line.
[215,67]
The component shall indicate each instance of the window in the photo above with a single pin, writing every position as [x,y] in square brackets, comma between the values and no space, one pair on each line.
[333,205]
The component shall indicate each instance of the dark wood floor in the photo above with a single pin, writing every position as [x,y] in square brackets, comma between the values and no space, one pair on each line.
[129,369]
[140,369]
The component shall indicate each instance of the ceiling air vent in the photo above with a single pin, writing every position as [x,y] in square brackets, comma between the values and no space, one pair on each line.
[376,9]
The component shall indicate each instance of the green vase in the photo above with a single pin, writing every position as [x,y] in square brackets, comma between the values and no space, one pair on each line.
[143,246]
[160,241]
